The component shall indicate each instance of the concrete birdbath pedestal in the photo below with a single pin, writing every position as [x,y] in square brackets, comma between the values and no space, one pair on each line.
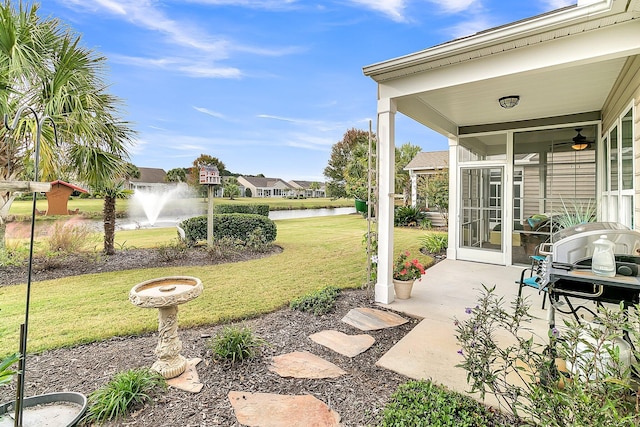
[165,293]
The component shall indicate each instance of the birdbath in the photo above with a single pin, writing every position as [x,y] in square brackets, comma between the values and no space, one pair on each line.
[165,293]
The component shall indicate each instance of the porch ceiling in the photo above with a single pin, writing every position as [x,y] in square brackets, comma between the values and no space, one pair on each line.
[549,93]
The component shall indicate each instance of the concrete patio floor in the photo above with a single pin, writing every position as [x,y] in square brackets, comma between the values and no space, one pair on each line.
[429,351]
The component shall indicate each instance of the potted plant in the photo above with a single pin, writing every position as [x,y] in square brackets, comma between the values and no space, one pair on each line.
[405,273]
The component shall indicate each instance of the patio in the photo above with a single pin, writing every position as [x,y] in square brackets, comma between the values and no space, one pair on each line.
[429,351]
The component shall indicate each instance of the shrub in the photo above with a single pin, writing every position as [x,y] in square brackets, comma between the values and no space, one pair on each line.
[176,249]
[246,209]
[319,302]
[540,391]
[248,193]
[6,373]
[234,225]
[435,243]
[126,391]
[422,404]
[67,238]
[408,216]
[225,248]
[236,344]
[13,256]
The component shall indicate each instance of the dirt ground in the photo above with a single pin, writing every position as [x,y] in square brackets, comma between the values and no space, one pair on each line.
[358,397]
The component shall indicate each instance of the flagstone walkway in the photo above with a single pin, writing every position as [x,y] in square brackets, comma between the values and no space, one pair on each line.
[276,410]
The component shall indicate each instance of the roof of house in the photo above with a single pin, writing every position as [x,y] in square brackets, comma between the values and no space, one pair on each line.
[304,184]
[152,175]
[261,182]
[66,184]
[429,160]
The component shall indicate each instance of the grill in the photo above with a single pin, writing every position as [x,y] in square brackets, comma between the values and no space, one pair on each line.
[566,269]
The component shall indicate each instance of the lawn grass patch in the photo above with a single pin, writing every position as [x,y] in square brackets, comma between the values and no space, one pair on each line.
[317,252]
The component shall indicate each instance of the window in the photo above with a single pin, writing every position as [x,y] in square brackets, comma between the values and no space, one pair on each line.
[618,194]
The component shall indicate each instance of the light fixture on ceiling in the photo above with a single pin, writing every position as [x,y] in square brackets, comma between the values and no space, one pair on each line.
[579,141]
[509,101]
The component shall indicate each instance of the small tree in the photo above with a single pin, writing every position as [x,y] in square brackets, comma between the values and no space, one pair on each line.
[176,175]
[437,192]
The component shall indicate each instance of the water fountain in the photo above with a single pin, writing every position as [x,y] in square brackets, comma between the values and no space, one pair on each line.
[150,203]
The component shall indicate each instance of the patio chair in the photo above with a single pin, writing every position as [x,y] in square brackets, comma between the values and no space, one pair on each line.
[532,277]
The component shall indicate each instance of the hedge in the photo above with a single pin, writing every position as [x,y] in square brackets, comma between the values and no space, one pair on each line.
[246,209]
[235,225]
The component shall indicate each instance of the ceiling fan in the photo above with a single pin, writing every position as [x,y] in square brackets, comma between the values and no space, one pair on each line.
[578,142]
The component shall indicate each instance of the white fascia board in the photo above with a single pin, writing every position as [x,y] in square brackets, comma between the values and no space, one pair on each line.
[594,46]
[494,37]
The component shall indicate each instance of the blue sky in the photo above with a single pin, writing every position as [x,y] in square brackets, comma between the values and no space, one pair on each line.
[266,86]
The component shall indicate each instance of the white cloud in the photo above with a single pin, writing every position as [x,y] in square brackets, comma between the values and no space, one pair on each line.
[186,66]
[256,4]
[209,112]
[557,4]
[455,6]
[202,51]
[394,9]
[472,26]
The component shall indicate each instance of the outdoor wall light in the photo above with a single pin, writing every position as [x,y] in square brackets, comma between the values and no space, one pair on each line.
[509,101]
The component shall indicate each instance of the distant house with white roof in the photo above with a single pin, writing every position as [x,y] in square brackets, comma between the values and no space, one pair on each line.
[150,178]
[308,188]
[265,187]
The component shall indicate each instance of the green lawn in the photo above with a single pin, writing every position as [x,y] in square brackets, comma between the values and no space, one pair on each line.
[317,252]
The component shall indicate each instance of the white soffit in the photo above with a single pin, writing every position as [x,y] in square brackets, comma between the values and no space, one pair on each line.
[542,94]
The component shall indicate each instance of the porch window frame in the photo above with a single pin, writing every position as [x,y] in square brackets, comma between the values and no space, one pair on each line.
[620,193]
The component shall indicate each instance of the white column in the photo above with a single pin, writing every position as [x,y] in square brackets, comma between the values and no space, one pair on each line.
[454,190]
[386,192]
[414,188]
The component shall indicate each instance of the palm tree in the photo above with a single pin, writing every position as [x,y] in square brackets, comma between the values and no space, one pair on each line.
[43,65]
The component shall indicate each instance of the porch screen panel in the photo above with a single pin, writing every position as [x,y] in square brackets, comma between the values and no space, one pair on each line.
[558,186]
[481,208]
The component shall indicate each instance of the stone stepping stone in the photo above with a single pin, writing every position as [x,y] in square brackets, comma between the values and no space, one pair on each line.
[278,410]
[302,364]
[189,379]
[347,345]
[369,319]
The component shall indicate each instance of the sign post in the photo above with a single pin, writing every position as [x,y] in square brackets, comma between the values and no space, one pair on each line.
[209,176]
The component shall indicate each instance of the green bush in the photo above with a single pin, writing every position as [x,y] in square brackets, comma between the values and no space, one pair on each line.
[6,373]
[497,346]
[126,391]
[246,209]
[176,249]
[319,302]
[435,243]
[422,404]
[234,225]
[236,344]
[408,216]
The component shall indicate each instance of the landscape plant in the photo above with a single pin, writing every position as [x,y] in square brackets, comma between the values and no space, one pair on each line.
[318,302]
[435,243]
[525,372]
[236,344]
[425,404]
[67,238]
[405,268]
[6,372]
[233,225]
[127,391]
[408,216]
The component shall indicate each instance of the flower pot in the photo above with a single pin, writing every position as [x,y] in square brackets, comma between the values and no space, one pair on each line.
[403,288]
[361,206]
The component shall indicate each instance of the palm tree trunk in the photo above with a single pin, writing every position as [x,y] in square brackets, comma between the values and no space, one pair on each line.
[109,224]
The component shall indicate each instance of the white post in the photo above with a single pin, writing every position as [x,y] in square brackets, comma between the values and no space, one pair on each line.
[210,216]
[386,192]
[414,188]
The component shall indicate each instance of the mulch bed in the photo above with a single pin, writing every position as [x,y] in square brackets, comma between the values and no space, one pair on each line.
[358,396]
